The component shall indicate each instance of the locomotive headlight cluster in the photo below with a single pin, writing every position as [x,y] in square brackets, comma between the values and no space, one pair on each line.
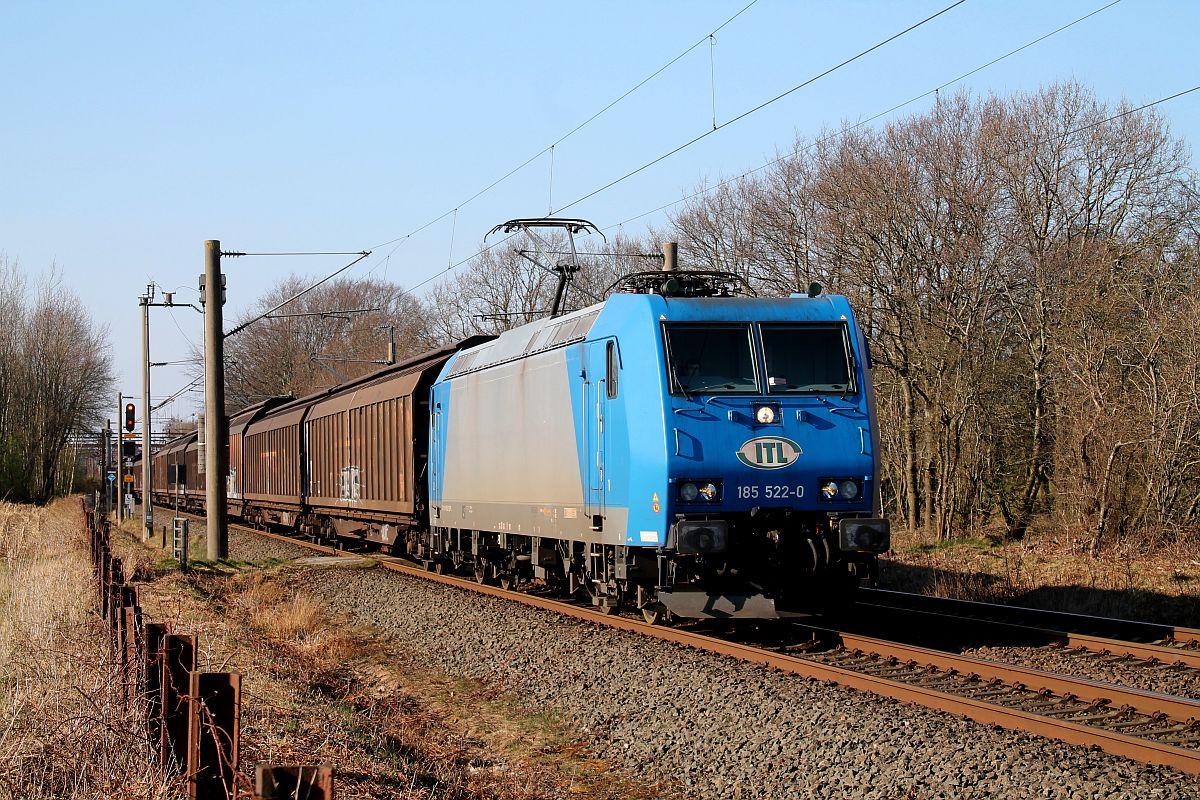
[840,490]
[699,491]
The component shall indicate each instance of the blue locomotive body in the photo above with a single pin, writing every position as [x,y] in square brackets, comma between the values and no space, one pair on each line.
[704,456]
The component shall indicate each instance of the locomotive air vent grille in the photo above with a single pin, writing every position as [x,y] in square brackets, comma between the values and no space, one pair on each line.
[464,363]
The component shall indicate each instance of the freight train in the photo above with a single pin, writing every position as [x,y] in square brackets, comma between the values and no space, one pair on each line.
[682,448]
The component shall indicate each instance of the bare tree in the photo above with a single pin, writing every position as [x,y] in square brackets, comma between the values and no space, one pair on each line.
[57,376]
[337,331]
[1082,192]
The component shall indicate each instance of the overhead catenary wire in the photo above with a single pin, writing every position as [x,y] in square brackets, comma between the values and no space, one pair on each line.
[237,254]
[569,133]
[723,125]
[172,398]
[1112,118]
[361,255]
[1045,140]
[869,120]
[760,106]
[1071,132]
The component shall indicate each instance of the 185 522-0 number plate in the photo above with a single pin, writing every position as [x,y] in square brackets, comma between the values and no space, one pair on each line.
[775,491]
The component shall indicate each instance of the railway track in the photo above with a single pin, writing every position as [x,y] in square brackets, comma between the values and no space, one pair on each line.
[1145,726]
[1151,642]
[958,624]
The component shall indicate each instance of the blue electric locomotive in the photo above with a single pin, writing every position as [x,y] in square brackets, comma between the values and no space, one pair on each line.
[679,446]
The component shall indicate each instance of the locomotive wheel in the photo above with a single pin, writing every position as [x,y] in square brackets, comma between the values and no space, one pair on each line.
[655,614]
[484,573]
[439,567]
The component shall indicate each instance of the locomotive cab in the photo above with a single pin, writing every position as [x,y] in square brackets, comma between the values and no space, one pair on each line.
[773,499]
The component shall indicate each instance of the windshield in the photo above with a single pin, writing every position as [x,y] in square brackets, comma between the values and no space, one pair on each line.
[711,359]
[806,358]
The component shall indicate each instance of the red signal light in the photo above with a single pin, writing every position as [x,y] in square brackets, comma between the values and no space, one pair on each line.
[129,416]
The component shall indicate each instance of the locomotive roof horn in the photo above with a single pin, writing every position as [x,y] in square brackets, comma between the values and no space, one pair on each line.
[566,271]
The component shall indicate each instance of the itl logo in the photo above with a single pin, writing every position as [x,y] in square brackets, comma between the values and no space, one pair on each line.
[768,452]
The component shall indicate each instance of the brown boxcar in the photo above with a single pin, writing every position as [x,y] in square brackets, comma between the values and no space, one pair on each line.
[164,470]
[194,477]
[349,461]
[237,468]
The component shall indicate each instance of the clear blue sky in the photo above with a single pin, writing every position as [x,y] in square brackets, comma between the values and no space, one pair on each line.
[132,132]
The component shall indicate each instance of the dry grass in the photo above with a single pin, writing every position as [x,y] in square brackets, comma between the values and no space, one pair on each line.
[402,731]
[63,730]
[319,690]
[1050,570]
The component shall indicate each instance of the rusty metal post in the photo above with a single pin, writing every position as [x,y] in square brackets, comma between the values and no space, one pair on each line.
[213,734]
[178,661]
[154,635]
[112,589]
[275,782]
[116,585]
[130,621]
[104,580]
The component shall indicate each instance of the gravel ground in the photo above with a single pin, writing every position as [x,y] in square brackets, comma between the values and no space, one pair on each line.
[250,547]
[719,727]
[1167,679]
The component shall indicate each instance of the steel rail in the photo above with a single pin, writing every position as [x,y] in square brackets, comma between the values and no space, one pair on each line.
[1139,749]
[1058,621]
[1179,709]
[1188,657]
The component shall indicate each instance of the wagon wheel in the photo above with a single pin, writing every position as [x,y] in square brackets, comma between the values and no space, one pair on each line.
[483,572]
[439,567]
[507,580]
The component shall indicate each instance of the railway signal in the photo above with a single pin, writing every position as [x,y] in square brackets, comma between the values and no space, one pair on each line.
[130,414]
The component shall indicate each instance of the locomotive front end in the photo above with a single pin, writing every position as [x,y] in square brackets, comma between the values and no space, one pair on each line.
[773,500]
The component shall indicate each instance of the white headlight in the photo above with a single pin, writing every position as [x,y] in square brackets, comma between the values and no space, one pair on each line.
[765,415]
[709,491]
[688,492]
[849,489]
[829,489]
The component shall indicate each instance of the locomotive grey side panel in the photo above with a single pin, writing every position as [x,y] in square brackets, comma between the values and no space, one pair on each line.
[510,461]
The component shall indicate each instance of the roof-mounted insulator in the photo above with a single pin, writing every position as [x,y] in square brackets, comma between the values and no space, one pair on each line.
[670,256]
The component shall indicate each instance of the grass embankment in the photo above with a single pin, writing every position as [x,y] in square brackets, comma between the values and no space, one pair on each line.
[64,732]
[1054,571]
[316,689]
